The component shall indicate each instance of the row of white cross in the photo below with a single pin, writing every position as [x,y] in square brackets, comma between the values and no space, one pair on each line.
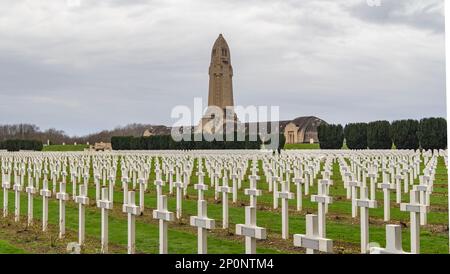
[355,168]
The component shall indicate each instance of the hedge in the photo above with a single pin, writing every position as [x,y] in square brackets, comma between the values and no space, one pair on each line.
[433,133]
[330,136]
[356,135]
[164,142]
[16,145]
[404,134]
[378,135]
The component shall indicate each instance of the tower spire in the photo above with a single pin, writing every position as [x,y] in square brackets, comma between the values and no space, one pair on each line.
[220,75]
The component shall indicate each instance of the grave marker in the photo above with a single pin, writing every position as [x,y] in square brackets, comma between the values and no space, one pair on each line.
[132,211]
[203,223]
[46,194]
[82,200]
[250,230]
[312,241]
[164,216]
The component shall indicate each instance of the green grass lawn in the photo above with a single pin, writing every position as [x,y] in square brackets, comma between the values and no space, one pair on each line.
[65,148]
[307,146]
[183,238]
[7,248]
[301,146]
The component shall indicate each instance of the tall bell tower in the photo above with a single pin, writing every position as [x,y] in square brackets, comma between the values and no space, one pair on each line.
[220,75]
[219,113]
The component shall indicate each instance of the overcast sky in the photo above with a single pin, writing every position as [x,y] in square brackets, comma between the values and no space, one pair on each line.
[103,63]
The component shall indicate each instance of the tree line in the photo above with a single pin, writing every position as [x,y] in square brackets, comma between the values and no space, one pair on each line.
[163,142]
[428,133]
[16,145]
[54,136]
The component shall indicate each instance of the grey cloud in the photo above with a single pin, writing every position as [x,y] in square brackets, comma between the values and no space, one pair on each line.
[114,62]
[418,14]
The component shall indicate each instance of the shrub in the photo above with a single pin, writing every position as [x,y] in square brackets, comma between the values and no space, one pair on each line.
[356,135]
[433,133]
[378,135]
[330,136]
[404,134]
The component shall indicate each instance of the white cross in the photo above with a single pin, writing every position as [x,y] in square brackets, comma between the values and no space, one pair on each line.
[201,187]
[159,183]
[97,186]
[179,186]
[312,241]
[82,200]
[239,178]
[215,184]
[252,191]
[105,204]
[364,204]
[387,187]
[112,182]
[299,182]
[234,178]
[62,196]
[86,180]
[275,181]
[393,241]
[203,223]
[170,175]
[285,196]
[17,189]
[423,190]
[46,194]
[405,180]
[347,178]
[307,181]
[269,178]
[125,182]
[5,185]
[250,230]
[372,177]
[415,208]
[185,182]
[132,211]
[164,216]
[398,190]
[73,178]
[200,176]
[354,195]
[142,184]
[225,189]
[322,199]
[31,190]
[327,183]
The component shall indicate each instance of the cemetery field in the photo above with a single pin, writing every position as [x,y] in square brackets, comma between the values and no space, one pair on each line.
[17,237]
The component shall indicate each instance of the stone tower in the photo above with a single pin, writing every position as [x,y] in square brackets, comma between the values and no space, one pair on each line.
[220,94]
[220,75]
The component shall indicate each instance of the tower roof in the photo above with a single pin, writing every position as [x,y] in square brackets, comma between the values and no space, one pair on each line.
[220,42]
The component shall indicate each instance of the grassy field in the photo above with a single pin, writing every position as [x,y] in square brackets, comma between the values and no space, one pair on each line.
[301,146]
[183,239]
[65,148]
[307,146]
